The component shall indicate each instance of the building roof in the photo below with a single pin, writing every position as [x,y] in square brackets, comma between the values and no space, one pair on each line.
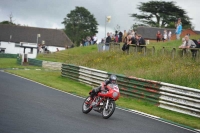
[150,32]
[52,37]
[198,32]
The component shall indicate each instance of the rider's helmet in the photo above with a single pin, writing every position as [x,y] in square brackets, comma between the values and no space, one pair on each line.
[113,79]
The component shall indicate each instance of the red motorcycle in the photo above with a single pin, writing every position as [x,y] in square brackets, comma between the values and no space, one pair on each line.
[103,102]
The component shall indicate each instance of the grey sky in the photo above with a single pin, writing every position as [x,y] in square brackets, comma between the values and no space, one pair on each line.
[50,13]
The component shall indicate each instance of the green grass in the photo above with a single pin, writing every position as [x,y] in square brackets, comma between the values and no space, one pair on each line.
[182,71]
[9,63]
[54,79]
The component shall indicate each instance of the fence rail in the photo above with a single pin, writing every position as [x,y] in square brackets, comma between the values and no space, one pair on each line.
[172,97]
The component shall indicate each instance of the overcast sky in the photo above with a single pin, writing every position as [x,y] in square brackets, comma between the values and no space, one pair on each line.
[50,13]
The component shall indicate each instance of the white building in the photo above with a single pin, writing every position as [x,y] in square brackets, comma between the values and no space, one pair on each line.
[13,37]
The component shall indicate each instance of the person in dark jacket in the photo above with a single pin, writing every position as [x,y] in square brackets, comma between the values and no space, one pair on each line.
[140,40]
[108,40]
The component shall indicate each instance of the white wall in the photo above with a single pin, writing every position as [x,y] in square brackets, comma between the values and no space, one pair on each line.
[11,49]
[54,48]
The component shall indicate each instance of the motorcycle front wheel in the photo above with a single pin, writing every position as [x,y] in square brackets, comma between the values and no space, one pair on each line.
[106,113]
[86,105]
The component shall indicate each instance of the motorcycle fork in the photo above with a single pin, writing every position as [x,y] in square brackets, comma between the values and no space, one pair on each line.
[107,102]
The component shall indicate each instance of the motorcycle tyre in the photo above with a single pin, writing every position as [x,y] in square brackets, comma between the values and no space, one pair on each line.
[88,110]
[112,111]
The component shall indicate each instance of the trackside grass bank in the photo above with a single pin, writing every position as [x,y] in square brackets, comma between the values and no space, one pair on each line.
[182,71]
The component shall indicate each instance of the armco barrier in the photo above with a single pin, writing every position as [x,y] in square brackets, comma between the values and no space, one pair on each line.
[139,88]
[181,99]
[86,75]
[35,62]
[172,97]
[8,55]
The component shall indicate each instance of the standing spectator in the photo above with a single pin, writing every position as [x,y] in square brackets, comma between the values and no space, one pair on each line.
[91,40]
[88,40]
[57,50]
[158,36]
[124,35]
[120,36]
[169,35]
[108,40]
[94,39]
[164,35]
[178,29]
[116,38]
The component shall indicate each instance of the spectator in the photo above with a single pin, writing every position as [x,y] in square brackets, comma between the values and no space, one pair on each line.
[116,38]
[102,40]
[169,35]
[140,40]
[108,40]
[94,39]
[91,40]
[164,35]
[158,36]
[127,42]
[188,43]
[178,29]
[120,36]
[183,43]
[57,49]
[88,40]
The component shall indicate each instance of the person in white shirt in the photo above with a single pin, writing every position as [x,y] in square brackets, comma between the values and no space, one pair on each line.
[94,39]
[169,35]
[164,35]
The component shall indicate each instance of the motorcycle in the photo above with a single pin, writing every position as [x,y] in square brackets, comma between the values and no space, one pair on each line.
[103,102]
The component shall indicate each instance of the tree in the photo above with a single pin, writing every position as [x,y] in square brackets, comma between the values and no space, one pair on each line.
[7,22]
[79,24]
[161,14]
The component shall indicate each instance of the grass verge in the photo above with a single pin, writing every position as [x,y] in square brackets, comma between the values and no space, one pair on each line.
[161,66]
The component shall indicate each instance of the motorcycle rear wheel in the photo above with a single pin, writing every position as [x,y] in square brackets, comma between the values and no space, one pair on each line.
[106,113]
[86,105]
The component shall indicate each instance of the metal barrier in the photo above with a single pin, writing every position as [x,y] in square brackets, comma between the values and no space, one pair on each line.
[180,99]
[139,88]
[35,62]
[172,97]
[86,75]
[4,55]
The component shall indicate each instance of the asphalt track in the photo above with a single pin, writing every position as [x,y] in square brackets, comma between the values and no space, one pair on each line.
[29,107]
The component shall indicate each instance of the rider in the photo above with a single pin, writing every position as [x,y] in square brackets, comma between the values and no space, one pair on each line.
[112,79]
